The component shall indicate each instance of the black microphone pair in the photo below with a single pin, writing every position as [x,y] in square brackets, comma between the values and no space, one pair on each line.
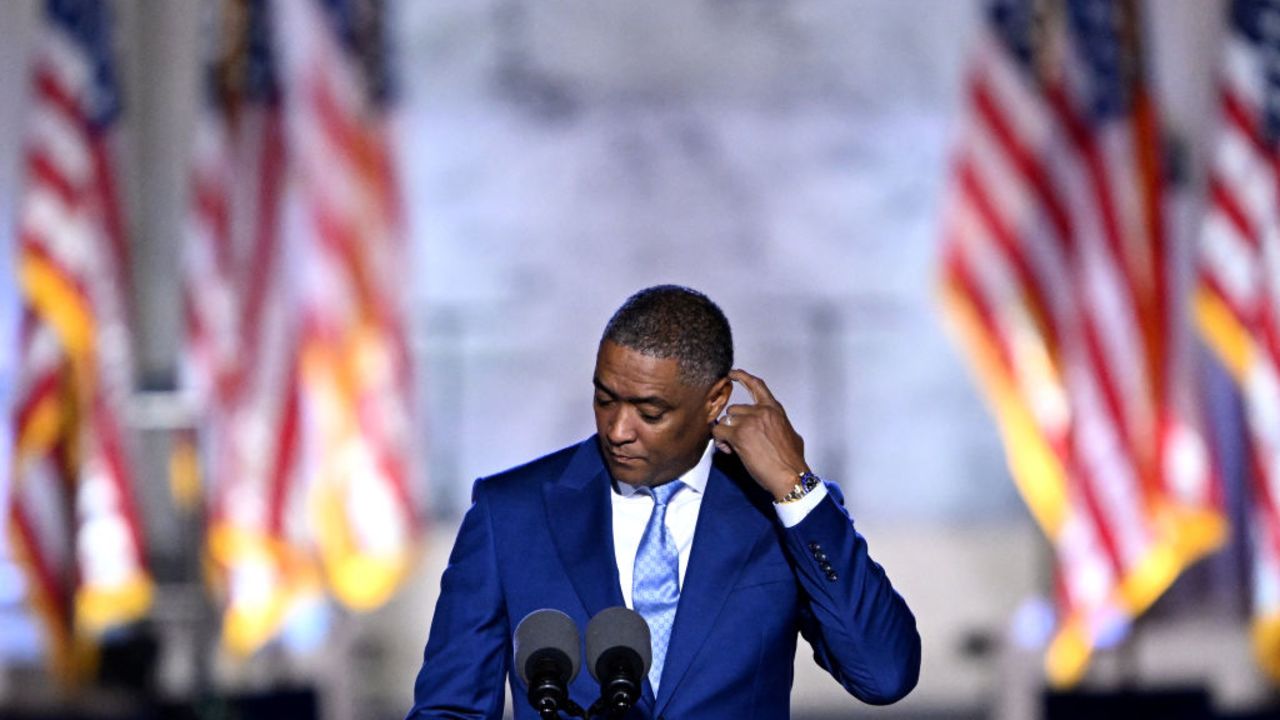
[548,659]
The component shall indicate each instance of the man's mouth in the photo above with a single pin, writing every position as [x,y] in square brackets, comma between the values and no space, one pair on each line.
[624,459]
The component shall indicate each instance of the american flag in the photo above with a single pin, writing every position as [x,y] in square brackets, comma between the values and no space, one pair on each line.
[353,284]
[1059,276]
[72,513]
[1238,276]
[243,331]
[295,328]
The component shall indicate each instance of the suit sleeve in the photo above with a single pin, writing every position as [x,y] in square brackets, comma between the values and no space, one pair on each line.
[861,630]
[465,662]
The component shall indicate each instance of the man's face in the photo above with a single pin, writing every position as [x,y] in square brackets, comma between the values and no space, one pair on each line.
[653,426]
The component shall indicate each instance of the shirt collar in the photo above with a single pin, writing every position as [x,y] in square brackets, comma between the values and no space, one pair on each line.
[695,478]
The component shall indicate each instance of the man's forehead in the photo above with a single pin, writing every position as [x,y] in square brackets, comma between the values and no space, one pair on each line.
[629,372]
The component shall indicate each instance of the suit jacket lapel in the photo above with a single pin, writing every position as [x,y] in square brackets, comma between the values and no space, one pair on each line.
[581,521]
[728,527]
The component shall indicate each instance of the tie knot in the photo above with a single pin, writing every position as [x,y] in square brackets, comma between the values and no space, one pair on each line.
[662,494]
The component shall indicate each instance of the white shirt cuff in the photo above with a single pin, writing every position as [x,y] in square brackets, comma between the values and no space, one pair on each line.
[793,512]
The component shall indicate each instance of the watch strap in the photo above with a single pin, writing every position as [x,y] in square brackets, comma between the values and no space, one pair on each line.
[805,482]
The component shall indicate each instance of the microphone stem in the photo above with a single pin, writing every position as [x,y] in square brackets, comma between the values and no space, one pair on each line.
[573,709]
[617,694]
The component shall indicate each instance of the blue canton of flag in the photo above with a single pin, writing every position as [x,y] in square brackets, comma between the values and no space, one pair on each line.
[88,22]
[261,78]
[1259,22]
[360,26]
[1098,25]
[1014,24]
[242,67]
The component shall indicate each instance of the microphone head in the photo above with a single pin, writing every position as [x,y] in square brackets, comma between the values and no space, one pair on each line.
[618,635]
[548,635]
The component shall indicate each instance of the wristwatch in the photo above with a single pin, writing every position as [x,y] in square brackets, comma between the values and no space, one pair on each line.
[806,481]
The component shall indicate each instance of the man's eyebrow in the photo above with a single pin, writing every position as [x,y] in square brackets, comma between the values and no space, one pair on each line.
[602,387]
[648,400]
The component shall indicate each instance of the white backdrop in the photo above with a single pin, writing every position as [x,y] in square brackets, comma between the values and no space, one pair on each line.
[787,159]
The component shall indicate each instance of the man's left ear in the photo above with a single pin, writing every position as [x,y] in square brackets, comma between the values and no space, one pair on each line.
[718,398]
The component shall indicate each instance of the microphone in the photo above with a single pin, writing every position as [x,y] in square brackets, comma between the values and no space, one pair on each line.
[618,655]
[548,659]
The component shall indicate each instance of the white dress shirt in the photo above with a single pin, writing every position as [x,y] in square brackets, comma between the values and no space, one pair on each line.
[632,508]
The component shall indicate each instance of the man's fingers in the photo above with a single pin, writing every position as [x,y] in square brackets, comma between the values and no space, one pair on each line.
[754,385]
[734,413]
[722,430]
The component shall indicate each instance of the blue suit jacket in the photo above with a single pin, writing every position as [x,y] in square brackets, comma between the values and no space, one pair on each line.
[540,536]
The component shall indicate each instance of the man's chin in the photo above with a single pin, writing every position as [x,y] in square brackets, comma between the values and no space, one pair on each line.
[628,473]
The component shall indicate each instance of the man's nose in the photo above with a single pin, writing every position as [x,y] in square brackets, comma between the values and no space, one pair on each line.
[621,427]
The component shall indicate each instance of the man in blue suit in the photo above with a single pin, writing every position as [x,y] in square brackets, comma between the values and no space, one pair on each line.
[704,518]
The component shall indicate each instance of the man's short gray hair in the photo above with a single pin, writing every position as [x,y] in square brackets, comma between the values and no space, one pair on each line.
[671,321]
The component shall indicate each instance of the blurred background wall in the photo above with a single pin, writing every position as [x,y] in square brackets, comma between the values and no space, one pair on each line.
[787,158]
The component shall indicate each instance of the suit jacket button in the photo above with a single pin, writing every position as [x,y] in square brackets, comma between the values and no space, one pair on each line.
[820,556]
[832,576]
[814,547]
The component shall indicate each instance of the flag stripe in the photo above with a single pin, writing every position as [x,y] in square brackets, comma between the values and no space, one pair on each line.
[1225,203]
[960,273]
[1008,244]
[42,169]
[1033,172]
[1240,119]
[266,245]
[286,448]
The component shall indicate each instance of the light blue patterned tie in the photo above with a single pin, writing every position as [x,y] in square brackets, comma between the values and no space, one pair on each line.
[655,585]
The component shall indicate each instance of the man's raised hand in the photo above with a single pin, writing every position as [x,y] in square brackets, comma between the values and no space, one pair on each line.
[762,436]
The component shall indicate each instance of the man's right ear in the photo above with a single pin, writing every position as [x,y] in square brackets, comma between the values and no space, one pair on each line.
[719,397]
